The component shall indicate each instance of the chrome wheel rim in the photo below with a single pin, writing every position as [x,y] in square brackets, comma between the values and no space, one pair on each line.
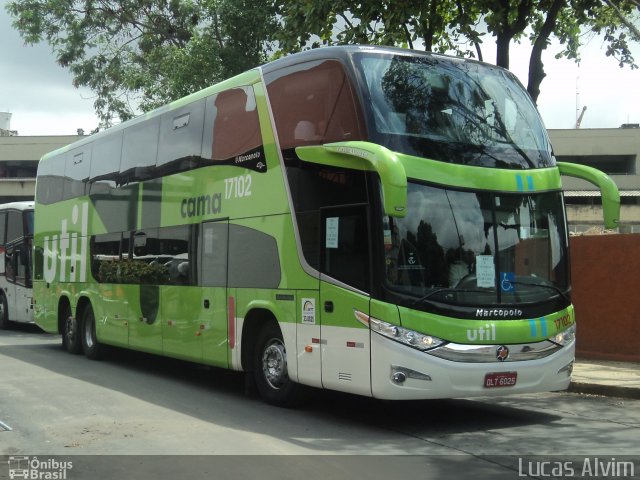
[274,364]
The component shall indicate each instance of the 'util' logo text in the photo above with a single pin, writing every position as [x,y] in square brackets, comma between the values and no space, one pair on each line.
[63,250]
[486,333]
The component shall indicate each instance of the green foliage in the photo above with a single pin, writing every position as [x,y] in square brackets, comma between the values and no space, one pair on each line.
[436,23]
[458,27]
[138,54]
[131,271]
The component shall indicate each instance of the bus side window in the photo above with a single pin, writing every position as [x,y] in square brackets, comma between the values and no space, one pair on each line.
[76,172]
[345,245]
[50,185]
[254,260]
[105,163]
[105,253]
[21,264]
[139,151]
[232,126]
[10,265]
[314,187]
[214,241]
[15,226]
[3,228]
[314,103]
[181,138]
[176,255]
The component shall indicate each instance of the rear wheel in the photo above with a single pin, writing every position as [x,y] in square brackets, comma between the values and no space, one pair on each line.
[4,313]
[90,345]
[70,332]
[270,369]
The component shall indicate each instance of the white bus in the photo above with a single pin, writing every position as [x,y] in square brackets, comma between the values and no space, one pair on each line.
[16,240]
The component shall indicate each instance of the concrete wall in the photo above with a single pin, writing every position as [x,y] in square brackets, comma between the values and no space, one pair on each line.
[605,271]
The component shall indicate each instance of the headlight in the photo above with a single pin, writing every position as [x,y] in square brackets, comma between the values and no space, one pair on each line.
[405,336]
[565,337]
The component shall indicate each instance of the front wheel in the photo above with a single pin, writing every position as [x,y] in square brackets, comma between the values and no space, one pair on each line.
[93,349]
[270,369]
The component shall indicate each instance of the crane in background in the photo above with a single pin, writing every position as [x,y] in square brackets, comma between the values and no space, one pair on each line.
[579,120]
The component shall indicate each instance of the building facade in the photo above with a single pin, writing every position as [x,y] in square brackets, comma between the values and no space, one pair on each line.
[19,158]
[615,151]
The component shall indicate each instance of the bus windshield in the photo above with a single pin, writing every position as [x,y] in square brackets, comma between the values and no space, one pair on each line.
[477,248]
[453,111]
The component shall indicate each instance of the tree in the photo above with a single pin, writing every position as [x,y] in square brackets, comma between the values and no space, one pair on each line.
[139,54]
[459,27]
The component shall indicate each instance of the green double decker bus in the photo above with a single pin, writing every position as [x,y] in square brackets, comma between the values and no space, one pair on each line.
[378,221]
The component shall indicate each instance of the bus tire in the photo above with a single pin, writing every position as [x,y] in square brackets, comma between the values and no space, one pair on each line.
[4,313]
[92,349]
[270,369]
[71,333]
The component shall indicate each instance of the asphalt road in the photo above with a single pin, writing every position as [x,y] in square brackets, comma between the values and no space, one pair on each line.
[159,418]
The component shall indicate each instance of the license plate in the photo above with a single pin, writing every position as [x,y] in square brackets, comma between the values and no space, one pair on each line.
[502,379]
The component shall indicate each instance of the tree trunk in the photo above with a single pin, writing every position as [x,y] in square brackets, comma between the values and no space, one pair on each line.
[536,67]
[503,41]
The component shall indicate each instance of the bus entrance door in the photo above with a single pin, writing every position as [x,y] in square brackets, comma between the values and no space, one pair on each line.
[343,286]
[212,273]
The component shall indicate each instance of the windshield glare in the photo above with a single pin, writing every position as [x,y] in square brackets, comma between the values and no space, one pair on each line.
[454,111]
[469,248]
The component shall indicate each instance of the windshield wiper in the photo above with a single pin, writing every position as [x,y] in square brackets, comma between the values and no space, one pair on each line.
[445,289]
[478,290]
[542,285]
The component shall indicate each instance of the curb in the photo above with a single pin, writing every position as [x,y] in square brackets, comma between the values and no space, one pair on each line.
[605,390]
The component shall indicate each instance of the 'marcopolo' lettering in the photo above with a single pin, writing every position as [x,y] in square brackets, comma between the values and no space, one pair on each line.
[202,205]
[498,312]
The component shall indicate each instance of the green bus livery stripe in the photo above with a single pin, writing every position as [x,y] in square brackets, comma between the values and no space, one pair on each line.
[483,178]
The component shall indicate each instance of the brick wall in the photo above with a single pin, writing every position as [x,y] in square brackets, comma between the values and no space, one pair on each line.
[605,273]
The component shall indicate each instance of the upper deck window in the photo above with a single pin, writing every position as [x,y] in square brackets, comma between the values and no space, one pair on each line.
[314,103]
[232,125]
[452,110]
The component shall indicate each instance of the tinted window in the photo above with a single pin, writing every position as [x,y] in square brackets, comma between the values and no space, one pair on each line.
[105,249]
[50,181]
[76,172]
[253,258]
[314,103]
[151,256]
[181,138]
[139,151]
[3,227]
[313,187]
[175,244]
[232,126]
[105,163]
[346,245]
[15,226]
[213,254]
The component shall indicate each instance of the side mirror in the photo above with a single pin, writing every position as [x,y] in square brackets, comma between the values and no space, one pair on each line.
[608,189]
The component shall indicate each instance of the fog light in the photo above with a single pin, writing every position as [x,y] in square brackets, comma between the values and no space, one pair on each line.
[398,377]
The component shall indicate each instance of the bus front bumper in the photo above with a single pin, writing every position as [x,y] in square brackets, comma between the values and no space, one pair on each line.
[399,372]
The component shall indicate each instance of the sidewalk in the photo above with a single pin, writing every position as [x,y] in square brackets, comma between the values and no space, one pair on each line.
[613,379]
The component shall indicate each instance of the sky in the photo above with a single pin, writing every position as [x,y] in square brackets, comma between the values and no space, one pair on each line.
[43,101]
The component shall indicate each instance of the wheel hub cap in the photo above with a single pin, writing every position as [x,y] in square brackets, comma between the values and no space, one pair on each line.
[274,364]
